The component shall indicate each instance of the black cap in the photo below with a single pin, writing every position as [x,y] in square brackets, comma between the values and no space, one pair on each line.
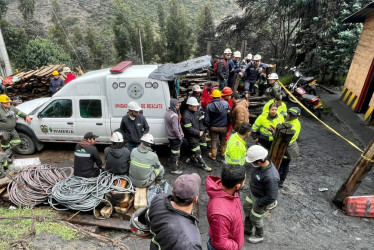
[244,128]
[89,135]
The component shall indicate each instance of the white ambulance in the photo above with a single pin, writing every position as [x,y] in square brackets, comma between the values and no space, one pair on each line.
[98,100]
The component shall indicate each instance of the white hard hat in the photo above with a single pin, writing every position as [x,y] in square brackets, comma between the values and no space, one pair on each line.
[249,56]
[255,153]
[257,57]
[148,138]
[227,51]
[192,101]
[196,88]
[273,76]
[237,54]
[116,137]
[134,106]
[66,70]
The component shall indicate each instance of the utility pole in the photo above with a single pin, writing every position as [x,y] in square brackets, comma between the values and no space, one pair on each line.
[5,67]
[208,47]
[141,47]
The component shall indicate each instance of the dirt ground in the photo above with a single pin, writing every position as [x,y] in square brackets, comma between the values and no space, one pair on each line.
[305,217]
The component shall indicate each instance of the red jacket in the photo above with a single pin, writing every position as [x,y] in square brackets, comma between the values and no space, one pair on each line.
[69,78]
[206,97]
[225,217]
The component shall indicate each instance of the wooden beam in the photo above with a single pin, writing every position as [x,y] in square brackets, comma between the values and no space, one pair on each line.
[282,137]
[358,173]
[90,220]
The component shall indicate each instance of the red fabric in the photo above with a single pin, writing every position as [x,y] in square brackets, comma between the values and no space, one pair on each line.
[206,97]
[229,126]
[225,216]
[69,78]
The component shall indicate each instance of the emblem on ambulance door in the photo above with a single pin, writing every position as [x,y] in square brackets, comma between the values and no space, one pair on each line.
[44,128]
[135,90]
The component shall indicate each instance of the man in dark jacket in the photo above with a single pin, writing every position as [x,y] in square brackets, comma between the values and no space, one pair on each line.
[193,126]
[170,216]
[223,69]
[86,156]
[133,126]
[262,194]
[234,68]
[252,72]
[117,156]
[217,117]
[175,134]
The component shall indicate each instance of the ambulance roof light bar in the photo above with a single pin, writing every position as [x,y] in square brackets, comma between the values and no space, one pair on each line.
[119,68]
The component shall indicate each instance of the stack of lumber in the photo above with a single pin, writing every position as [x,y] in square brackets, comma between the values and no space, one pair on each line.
[34,83]
[3,189]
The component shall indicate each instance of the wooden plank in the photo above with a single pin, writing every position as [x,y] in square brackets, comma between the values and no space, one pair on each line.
[2,190]
[110,223]
[4,181]
[140,198]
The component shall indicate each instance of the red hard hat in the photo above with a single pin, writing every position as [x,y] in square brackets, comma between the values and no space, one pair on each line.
[226,91]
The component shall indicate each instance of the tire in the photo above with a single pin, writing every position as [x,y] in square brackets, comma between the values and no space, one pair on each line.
[27,146]
[318,113]
[291,99]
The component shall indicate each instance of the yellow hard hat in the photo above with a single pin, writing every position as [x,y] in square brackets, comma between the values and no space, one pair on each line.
[4,99]
[55,73]
[216,93]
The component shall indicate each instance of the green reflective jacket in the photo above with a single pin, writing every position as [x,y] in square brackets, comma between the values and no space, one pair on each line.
[236,150]
[263,124]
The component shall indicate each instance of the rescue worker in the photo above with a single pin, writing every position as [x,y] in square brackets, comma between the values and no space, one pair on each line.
[236,147]
[117,156]
[252,72]
[69,75]
[223,69]
[240,114]
[263,192]
[234,69]
[264,126]
[145,166]
[293,147]
[247,59]
[87,161]
[133,126]
[206,96]
[56,82]
[282,108]
[170,216]
[8,119]
[226,95]
[196,92]
[274,90]
[175,134]
[217,117]
[192,123]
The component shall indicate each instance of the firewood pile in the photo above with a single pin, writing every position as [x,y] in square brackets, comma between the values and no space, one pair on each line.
[33,83]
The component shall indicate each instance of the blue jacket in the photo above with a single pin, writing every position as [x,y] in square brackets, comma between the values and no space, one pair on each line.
[234,68]
[56,83]
[217,114]
[251,71]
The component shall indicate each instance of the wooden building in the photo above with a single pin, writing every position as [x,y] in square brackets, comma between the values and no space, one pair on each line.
[359,85]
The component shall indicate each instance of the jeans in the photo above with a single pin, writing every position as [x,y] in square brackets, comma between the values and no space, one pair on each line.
[131,146]
[208,245]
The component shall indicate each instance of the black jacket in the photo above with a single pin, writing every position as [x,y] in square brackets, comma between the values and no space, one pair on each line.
[172,228]
[192,123]
[218,113]
[117,160]
[223,69]
[264,184]
[85,157]
[133,130]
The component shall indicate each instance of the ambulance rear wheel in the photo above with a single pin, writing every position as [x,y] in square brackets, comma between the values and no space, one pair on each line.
[27,145]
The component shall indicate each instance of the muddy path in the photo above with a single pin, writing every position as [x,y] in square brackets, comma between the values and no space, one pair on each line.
[305,217]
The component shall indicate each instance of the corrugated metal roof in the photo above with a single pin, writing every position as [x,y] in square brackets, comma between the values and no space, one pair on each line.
[361,15]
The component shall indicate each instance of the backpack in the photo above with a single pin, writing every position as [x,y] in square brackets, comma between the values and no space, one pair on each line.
[215,67]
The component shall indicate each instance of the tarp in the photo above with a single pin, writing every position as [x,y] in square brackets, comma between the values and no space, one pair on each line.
[169,71]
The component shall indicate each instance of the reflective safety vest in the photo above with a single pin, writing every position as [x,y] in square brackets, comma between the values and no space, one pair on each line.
[263,124]
[297,127]
[282,109]
[236,150]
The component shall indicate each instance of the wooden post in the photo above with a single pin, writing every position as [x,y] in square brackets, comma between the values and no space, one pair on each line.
[243,49]
[208,47]
[236,84]
[282,137]
[358,173]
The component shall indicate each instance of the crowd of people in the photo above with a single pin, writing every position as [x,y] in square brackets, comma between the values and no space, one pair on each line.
[211,114]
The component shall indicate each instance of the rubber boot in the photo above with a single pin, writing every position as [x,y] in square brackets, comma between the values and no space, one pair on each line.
[213,154]
[203,164]
[282,179]
[223,149]
[9,154]
[207,139]
[258,237]
[175,168]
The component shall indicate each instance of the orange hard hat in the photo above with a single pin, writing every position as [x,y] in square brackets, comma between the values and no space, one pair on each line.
[226,91]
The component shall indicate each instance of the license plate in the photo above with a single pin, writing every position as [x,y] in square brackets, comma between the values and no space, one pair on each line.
[318,105]
[312,83]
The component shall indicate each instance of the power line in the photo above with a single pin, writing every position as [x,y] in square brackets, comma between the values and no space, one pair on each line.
[63,30]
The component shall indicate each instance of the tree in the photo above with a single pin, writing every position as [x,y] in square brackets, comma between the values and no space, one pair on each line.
[56,31]
[148,38]
[161,39]
[27,8]
[42,51]
[3,8]
[205,29]
[178,34]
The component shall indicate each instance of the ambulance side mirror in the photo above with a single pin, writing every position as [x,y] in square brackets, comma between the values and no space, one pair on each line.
[40,116]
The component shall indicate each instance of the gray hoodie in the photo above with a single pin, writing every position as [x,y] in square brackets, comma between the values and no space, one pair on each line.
[117,160]
[172,124]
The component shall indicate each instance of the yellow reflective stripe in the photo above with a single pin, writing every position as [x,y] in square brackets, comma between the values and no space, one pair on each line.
[157,171]
[201,117]
[5,145]
[15,141]
[187,125]
[141,165]
[19,112]
[175,151]
[204,144]
[249,200]
[256,214]
[195,149]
